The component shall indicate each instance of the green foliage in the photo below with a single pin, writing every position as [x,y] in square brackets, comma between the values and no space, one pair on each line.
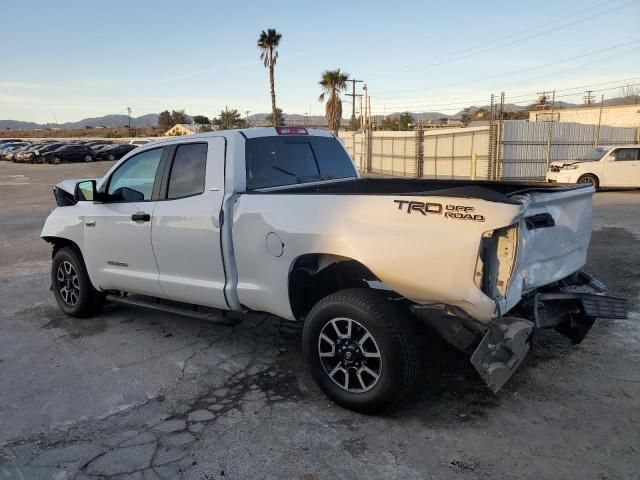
[403,122]
[201,120]
[333,82]
[178,116]
[280,118]
[268,43]
[164,120]
[230,119]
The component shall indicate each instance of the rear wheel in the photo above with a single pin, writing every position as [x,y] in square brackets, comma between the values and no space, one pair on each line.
[589,179]
[359,349]
[71,285]
[55,160]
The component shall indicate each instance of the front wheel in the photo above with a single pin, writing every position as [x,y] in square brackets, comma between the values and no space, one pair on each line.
[72,288]
[359,349]
[589,179]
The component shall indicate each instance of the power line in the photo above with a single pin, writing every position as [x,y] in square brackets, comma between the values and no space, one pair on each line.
[531,98]
[564,72]
[467,53]
[514,72]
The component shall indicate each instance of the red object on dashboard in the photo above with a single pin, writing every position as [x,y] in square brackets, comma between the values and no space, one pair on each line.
[291,131]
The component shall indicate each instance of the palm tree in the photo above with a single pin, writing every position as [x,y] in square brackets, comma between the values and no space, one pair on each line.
[333,82]
[268,43]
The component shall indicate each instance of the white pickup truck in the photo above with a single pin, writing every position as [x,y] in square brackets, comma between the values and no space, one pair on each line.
[277,220]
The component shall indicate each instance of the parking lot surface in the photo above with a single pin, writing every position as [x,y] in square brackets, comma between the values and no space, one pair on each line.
[143,395]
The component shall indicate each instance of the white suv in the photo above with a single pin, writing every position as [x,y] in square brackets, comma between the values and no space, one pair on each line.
[605,166]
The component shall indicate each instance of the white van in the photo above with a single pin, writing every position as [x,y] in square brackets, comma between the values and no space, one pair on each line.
[610,166]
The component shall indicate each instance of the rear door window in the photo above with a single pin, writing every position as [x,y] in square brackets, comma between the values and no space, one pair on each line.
[188,171]
[286,160]
[623,154]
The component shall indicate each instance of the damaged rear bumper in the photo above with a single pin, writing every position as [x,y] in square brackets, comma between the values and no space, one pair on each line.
[570,307]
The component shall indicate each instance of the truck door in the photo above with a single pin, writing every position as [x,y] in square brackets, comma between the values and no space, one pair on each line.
[186,223]
[622,168]
[117,232]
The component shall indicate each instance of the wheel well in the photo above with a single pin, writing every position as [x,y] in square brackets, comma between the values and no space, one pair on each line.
[59,243]
[314,276]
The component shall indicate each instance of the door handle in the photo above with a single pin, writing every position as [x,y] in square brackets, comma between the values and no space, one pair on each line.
[140,217]
[90,223]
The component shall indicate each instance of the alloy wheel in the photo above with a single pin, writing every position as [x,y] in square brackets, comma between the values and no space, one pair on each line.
[68,283]
[350,355]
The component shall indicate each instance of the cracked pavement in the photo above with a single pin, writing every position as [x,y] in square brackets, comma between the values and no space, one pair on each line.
[134,394]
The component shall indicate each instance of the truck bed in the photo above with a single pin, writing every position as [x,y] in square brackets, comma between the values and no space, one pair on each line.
[493,191]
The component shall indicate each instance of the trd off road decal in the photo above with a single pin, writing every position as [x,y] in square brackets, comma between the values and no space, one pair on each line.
[456,212]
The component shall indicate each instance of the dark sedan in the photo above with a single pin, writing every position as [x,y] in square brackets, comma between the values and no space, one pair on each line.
[69,154]
[36,154]
[115,152]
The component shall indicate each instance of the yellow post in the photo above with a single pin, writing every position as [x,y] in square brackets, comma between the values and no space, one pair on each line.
[474,164]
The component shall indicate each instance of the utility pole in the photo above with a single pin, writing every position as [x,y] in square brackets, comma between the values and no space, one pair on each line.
[353,103]
[305,118]
[588,97]
[542,99]
[247,114]
[129,115]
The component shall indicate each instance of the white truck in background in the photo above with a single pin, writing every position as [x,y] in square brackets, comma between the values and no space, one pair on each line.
[277,220]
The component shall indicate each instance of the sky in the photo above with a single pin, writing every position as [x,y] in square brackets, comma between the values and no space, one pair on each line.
[67,60]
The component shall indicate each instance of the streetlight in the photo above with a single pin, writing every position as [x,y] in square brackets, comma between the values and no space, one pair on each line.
[129,115]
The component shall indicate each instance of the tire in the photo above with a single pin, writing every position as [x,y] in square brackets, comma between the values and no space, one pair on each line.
[55,160]
[71,286]
[589,179]
[370,313]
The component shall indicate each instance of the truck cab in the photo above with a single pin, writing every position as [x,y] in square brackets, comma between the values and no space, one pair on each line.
[616,166]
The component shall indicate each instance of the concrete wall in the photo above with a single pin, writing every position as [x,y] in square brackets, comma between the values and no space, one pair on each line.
[613,116]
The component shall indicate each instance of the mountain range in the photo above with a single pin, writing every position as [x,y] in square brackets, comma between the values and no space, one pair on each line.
[151,120]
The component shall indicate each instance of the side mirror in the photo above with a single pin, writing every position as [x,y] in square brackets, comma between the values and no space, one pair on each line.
[85,191]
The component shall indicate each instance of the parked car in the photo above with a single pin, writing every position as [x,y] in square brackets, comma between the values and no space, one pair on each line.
[7,149]
[9,140]
[276,220]
[100,146]
[37,155]
[13,154]
[114,152]
[614,166]
[69,153]
[21,155]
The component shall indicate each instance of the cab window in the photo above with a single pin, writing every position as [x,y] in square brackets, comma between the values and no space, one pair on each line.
[133,181]
[623,154]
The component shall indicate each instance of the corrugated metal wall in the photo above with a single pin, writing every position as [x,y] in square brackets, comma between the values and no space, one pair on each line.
[448,152]
[526,144]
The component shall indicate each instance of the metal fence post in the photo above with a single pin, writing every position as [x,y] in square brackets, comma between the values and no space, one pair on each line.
[419,150]
[474,165]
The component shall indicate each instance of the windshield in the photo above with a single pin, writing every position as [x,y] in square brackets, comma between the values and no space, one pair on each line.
[595,154]
[286,160]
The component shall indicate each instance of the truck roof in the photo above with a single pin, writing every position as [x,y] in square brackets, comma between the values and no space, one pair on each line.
[255,132]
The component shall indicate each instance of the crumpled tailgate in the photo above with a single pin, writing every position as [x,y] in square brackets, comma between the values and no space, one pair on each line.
[554,234]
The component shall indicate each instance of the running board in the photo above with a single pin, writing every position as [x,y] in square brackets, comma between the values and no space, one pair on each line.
[217,318]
